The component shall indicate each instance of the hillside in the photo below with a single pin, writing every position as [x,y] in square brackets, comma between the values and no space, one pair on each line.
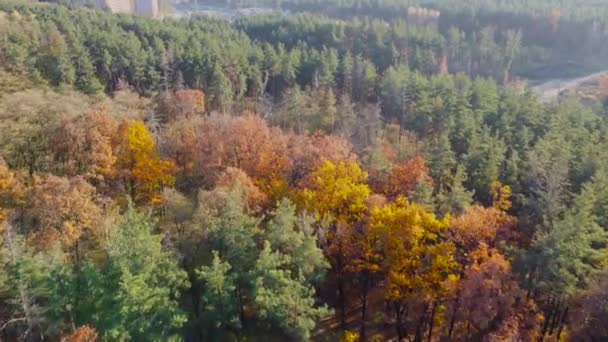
[347,170]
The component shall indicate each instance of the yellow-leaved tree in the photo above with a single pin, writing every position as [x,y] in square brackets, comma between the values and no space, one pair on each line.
[337,190]
[417,264]
[144,172]
[337,194]
[9,191]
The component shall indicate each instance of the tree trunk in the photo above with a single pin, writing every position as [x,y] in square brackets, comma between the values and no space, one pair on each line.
[530,282]
[556,317]
[365,288]
[562,323]
[507,74]
[77,273]
[431,321]
[342,303]
[418,336]
[453,318]
[547,320]
[239,294]
[456,306]
[400,314]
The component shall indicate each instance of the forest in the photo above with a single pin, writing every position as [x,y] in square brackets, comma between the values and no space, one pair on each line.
[356,170]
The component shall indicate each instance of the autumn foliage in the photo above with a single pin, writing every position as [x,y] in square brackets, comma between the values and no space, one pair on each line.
[82,334]
[489,302]
[416,263]
[337,190]
[85,145]
[352,170]
[182,103]
[65,211]
[405,176]
[144,172]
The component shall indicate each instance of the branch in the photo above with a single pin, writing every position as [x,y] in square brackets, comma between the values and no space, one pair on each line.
[11,322]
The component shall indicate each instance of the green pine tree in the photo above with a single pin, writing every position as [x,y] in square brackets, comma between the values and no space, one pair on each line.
[284,298]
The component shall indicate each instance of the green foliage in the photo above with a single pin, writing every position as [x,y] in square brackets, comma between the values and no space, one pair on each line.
[277,280]
[23,287]
[149,282]
[454,198]
[229,229]
[572,250]
[483,163]
[133,294]
[292,236]
[220,296]
[284,298]
[231,264]
[220,90]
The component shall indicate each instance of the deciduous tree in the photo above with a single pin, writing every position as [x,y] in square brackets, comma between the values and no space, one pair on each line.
[416,261]
[490,302]
[337,194]
[182,103]
[64,211]
[143,171]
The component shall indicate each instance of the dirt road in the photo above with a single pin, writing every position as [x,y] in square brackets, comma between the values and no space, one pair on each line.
[551,89]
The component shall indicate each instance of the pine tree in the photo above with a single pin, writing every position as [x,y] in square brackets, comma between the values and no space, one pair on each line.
[284,297]
[327,111]
[346,74]
[85,78]
[148,283]
[454,198]
[483,163]
[292,236]
[54,61]
[293,112]
[223,220]
[220,91]
[329,68]
[423,194]
[464,125]
[563,258]
[572,249]
[441,160]
[220,296]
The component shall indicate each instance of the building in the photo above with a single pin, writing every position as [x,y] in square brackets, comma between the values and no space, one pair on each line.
[145,8]
[119,6]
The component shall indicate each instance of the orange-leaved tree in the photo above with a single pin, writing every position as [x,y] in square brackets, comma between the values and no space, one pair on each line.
[83,146]
[82,334]
[480,225]
[204,147]
[64,211]
[406,176]
[478,234]
[182,103]
[490,303]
